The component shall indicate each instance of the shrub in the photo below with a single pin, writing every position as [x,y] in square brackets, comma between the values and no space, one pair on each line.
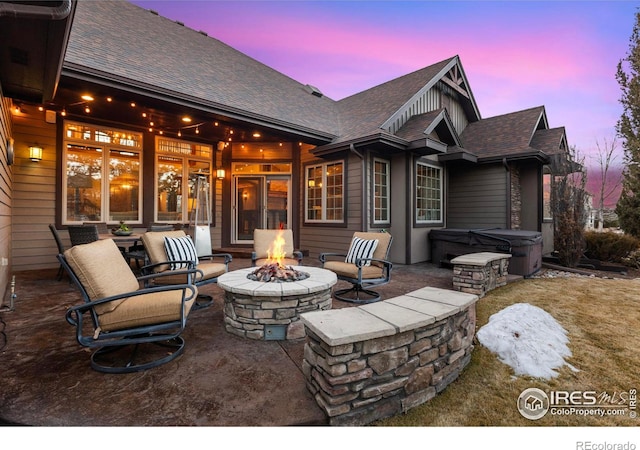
[610,247]
[632,260]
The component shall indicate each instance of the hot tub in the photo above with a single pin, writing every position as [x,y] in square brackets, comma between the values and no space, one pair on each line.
[525,247]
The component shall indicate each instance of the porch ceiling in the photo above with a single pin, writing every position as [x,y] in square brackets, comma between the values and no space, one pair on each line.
[165,116]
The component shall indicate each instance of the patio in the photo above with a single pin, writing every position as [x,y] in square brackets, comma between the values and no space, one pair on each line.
[220,380]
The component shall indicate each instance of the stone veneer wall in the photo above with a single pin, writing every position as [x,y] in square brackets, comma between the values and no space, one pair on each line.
[516,199]
[482,275]
[251,317]
[360,382]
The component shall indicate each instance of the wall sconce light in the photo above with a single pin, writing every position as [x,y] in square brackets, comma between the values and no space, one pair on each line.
[35,153]
[220,174]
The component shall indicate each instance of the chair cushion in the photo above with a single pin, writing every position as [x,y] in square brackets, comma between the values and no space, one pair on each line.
[209,269]
[384,244]
[263,240]
[180,249]
[361,248]
[154,246]
[347,270]
[146,309]
[102,271]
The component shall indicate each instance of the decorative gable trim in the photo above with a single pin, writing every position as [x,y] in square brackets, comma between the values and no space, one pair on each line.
[541,124]
[427,99]
[428,144]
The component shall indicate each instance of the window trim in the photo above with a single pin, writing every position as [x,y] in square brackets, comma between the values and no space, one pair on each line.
[387,163]
[428,223]
[185,176]
[106,148]
[323,194]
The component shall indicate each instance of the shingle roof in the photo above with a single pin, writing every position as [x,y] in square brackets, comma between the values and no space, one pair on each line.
[121,41]
[362,114]
[549,141]
[414,128]
[119,38]
[505,135]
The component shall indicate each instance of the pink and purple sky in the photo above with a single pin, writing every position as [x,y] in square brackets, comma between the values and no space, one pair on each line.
[516,54]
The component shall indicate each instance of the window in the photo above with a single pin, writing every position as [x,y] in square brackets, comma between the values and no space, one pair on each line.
[177,161]
[381,191]
[101,181]
[428,193]
[325,193]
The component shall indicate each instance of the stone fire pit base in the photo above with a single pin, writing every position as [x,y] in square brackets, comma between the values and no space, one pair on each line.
[271,311]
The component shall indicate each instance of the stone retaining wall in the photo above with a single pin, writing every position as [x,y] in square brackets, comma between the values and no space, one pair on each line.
[391,356]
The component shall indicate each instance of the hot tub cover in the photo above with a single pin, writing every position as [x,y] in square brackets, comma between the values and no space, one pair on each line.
[493,236]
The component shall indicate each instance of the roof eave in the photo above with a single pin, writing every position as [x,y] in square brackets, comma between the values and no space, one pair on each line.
[76,71]
[458,157]
[536,156]
[381,138]
[56,21]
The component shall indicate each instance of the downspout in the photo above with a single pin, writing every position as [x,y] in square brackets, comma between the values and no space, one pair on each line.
[363,193]
[17,10]
[508,196]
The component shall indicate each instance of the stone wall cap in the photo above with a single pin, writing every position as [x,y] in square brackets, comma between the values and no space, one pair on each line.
[403,319]
[346,325]
[238,283]
[396,315]
[436,310]
[479,259]
[446,296]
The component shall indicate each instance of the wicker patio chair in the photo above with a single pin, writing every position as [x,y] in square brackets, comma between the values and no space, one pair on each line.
[83,234]
[364,266]
[123,320]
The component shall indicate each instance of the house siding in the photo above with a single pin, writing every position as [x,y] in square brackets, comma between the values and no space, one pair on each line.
[477,197]
[6,198]
[319,238]
[34,193]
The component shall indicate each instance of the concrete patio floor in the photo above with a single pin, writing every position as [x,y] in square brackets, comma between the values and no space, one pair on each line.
[219,380]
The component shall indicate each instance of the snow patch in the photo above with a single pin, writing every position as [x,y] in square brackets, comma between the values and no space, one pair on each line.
[528,339]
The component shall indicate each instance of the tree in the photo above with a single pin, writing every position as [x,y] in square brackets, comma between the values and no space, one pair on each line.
[606,158]
[568,198]
[628,128]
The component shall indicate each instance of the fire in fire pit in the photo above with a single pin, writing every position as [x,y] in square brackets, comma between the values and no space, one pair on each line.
[274,271]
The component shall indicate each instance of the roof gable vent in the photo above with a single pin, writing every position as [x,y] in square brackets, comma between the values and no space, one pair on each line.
[313,90]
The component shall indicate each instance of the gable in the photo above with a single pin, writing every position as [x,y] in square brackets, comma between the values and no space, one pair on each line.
[448,88]
[430,133]
[505,136]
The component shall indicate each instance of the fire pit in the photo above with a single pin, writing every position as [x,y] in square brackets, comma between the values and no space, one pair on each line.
[277,273]
[271,310]
[265,303]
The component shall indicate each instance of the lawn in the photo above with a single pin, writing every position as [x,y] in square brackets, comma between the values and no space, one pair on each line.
[602,318]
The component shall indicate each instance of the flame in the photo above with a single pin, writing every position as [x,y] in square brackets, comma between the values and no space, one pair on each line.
[276,252]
